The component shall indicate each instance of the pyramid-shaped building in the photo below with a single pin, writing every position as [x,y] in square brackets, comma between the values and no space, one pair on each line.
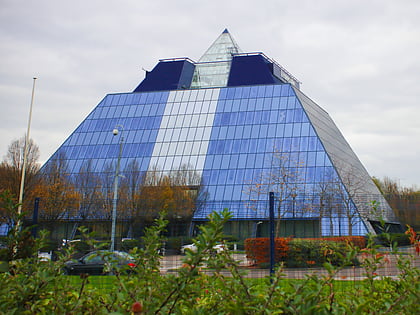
[240,121]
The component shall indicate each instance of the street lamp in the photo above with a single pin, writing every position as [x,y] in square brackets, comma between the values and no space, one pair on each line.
[116,179]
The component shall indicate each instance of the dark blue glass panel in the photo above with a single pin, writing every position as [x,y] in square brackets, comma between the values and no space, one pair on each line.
[277,90]
[260,104]
[270,144]
[125,111]
[107,100]
[252,145]
[287,144]
[249,104]
[245,145]
[255,130]
[236,146]
[265,117]
[249,118]
[261,145]
[288,130]
[122,99]
[250,160]
[296,130]
[230,93]
[301,117]
[234,118]
[304,143]
[220,147]
[228,105]
[253,92]
[257,117]
[220,191]
[249,175]
[217,163]
[290,116]
[320,159]
[218,119]
[269,90]
[263,131]
[283,103]
[233,161]
[271,132]
[231,176]
[228,192]
[295,143]
[222,177]
[228,146]
[311,159]
[236,106]
[247,131]
[261,91]
[242,161]
[223,93]
[241,118]
[225,161]
[259,160]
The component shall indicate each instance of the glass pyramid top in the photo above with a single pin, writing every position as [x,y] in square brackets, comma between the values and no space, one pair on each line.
[212,69]
[221,49]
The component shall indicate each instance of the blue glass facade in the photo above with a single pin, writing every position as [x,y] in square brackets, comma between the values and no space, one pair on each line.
[243,138]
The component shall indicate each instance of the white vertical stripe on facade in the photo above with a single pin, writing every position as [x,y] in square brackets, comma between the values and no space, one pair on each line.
[185,130]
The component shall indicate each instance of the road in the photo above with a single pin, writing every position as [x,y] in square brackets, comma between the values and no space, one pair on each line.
[387,268]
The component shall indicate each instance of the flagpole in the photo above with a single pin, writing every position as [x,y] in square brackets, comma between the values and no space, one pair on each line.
[25,153]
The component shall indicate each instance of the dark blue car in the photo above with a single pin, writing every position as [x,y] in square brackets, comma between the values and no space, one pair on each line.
[101,262]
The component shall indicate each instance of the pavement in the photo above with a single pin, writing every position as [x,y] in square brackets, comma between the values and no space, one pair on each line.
[387,268]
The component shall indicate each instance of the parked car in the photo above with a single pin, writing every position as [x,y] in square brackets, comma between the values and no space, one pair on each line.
[192,247]
[44,256]
[100,262]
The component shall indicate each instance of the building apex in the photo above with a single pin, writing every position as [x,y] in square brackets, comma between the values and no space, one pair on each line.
[221,49]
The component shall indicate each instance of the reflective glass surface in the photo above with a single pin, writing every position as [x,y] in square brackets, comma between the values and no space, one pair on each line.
[241,140]
[212,70]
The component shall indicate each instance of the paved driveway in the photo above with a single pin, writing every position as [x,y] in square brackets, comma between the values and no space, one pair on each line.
[388,269]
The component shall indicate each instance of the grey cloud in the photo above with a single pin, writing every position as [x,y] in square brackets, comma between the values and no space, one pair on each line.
[357,59]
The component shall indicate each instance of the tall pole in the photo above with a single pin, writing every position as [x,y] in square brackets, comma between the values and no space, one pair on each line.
[272,243]
[294,214]
[116,180]
[25,155]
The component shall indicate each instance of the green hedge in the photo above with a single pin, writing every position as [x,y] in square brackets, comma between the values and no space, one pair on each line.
[309,252]
[314,253]
[400,239]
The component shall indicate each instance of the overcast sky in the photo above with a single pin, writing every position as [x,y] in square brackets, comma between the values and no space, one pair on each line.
[359,60]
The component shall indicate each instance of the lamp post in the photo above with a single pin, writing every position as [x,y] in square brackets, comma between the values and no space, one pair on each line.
[116,179]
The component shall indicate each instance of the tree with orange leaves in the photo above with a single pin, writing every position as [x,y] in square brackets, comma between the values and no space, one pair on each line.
[58,196]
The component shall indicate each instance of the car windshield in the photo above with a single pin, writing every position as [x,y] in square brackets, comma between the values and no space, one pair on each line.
[100,256]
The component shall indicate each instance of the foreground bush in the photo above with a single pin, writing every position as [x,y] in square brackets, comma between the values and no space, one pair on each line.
[399,239]
[34,287]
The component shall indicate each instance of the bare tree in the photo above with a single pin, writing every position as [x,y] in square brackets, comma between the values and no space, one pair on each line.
[351,188]
[129,192]
[89,187]
[107,180]
[284,179]
[326,197]
[11,167]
